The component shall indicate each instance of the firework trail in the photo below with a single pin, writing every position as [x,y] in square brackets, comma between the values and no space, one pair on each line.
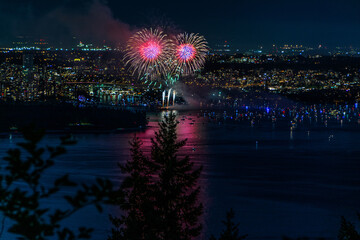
[163,98]
[174,93]
[168,98]
[147,52]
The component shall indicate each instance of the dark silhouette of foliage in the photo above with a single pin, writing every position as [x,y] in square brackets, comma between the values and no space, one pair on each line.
[161,193]
[299,238]
[231,231]
[177,191]
[22,191]
[347,230]
[136,199]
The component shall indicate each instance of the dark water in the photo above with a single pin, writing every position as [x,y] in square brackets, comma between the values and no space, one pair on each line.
[292,183]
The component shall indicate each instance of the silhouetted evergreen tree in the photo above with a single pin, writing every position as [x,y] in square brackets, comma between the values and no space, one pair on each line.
[136,199]
[347,230]
[176,195]
[22,192]
[161,194]
[231,231]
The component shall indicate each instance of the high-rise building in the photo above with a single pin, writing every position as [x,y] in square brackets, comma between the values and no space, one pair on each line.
[28,66]
[28,61]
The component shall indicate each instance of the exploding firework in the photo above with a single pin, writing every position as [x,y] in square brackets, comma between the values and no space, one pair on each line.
[154,57]
[190,52]
[147,52]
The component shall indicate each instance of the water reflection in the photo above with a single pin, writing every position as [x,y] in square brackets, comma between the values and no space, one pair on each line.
[191,127]
[279,184]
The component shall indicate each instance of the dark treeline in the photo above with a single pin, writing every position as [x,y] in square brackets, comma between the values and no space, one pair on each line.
[67,117]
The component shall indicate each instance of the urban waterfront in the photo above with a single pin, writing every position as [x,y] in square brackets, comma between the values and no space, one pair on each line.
[179,120]
[280,181]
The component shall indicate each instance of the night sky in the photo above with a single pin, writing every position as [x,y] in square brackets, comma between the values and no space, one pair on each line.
[244,24]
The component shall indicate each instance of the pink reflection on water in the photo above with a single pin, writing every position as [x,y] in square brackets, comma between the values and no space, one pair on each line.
[190,127]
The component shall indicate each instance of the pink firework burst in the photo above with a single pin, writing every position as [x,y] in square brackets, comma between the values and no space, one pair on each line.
[186,52]
[191,52]
[147,53]
[150,50]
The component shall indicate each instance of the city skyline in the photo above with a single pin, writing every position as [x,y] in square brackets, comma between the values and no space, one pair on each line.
[243,24]
[174,114]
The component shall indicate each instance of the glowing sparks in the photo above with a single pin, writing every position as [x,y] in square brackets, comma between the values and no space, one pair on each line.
[155,58]
[147,52]
[191,52]
[150,50]
[186,52]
